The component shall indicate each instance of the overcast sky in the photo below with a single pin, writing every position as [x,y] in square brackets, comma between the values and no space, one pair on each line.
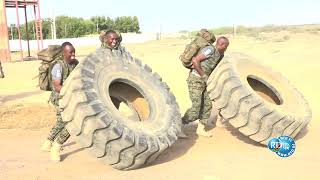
[175,15]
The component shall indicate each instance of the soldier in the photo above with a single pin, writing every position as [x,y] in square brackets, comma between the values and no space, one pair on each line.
[202,66]
[111,39]
[1,72]
[60,71]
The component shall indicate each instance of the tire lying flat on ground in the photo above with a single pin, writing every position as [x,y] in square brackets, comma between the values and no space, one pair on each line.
[260,103]
[119,110]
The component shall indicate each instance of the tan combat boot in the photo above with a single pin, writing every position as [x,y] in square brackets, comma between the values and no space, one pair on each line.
[221,122]
[201,130]
[182,134]
[55,152]
[1,72]
[46,146]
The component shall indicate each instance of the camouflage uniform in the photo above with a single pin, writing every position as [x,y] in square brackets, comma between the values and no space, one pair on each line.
[201,103]
[1,72]
[118,45]
[59,132]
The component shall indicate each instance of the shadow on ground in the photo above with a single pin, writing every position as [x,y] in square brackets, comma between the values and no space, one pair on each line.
[4,99]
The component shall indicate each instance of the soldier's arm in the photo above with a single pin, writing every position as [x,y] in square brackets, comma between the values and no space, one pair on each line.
[196,63]
[56,77]
[203,54]
[57,85]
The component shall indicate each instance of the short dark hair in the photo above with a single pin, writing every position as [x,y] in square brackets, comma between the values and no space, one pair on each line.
[63,45]
[223,38]
[110,32]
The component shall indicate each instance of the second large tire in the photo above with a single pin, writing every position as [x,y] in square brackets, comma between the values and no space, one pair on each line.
[260,103]
[91,100]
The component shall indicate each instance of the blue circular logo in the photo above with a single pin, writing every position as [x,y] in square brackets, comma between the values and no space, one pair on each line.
[283,146]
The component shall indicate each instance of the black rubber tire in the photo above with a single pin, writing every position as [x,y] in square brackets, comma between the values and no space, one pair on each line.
[99,126]
[260,103]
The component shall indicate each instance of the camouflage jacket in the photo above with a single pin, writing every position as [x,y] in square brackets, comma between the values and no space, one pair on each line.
[209,64]
[66,70]
[118,47]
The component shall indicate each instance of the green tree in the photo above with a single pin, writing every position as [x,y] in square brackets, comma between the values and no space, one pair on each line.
[135,24]
[102,23]
[73,27]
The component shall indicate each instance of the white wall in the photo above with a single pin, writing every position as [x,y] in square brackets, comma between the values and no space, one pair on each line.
[127,38]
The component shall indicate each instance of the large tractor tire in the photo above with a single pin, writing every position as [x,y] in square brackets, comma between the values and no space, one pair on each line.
[260,103]
[119,110]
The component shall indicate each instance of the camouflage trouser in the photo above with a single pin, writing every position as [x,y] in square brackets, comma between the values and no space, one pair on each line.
[1,72]
[58,132]
[201,104]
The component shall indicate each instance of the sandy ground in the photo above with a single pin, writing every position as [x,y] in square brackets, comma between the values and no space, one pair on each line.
[25,119]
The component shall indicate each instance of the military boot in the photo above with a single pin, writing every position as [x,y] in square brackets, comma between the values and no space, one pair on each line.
[46,146]
[221,122]
[182,134]
[202,131]
[55,152]
[1,73]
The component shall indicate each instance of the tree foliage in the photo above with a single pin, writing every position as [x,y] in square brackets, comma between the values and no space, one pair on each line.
[73,27]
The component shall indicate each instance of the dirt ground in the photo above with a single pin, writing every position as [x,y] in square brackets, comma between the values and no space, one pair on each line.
[25,119]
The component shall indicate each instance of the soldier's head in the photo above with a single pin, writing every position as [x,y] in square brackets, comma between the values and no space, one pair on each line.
[68,52]
[112,39]
[222,44]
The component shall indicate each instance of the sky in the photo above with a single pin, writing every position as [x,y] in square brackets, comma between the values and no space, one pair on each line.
[177,15]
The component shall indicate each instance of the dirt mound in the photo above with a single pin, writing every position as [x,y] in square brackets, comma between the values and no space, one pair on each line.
[26,116]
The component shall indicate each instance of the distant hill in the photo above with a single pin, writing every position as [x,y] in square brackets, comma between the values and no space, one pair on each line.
[245,30]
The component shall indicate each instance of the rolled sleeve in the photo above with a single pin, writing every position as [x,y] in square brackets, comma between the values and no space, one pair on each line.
[208,51]
[56,72]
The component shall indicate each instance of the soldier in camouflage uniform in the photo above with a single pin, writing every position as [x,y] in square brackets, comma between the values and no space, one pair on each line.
[1,72]
[111,39]
[202,66]
[60,71]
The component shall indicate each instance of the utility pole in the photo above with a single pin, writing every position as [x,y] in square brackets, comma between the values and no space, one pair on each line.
[54,27]
[160,32]
[53,23]
[51,27]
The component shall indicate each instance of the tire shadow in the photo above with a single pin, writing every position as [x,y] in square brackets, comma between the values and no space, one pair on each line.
[182,146]
[69,144]
[179,148]
[235,132]
[220,122]
[246,139]
[65,155]
[303,132]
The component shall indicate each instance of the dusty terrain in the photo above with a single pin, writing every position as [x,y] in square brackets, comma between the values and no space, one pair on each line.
[25,119]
